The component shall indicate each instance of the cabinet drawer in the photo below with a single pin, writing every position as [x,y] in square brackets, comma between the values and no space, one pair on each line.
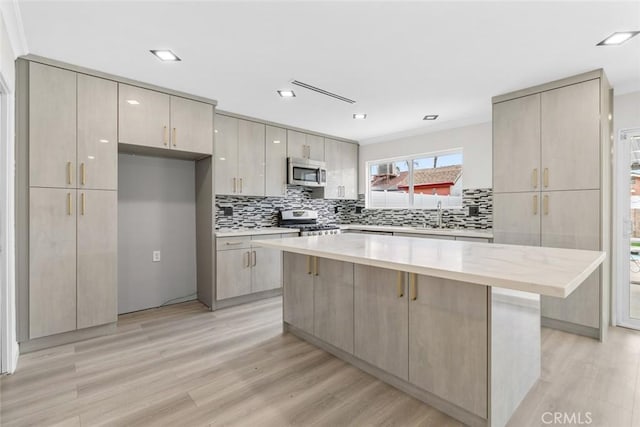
[472,239]
[266,236]
[227,243]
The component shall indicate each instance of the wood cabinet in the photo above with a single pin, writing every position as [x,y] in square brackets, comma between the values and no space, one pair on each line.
[97,133]
[97,269]
[305,146]
[240,157]
[342,167]
[516,218]
[154,119]
[233,273]
[266,273]
[52,126]
[448,336]
[275,173]
[298,291]
[333,303]
[52,261]
[381,316]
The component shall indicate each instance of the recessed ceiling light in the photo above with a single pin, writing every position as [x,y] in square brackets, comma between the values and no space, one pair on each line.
[359,116]
[132,102]
[430,117]
[618,38]
[276,141]
[165,55]
[287,93]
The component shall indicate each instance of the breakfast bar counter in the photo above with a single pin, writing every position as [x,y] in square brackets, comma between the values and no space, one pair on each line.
[455,324]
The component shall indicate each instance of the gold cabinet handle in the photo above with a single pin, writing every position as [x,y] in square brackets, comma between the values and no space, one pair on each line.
[315,266]
[83,173]
[164,136]
[308,264]
[174,137]
[534,178]
[400,285]
[535,204]
[233,243]
[82,203]
[546,177]
[234,185]
[247,259]
[545,202]
[254,258]
[69,204]
[240,186]
[413,290]
[69,173]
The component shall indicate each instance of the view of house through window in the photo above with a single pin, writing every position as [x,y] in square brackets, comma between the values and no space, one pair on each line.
[419,181]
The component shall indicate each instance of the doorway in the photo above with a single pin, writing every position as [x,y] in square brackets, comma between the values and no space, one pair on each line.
[627,229]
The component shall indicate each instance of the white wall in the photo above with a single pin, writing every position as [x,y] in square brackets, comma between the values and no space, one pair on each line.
[475,141]
[626,111]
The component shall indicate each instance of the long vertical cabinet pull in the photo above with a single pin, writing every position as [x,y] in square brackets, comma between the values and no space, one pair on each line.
[69,173]
[308,264]
[164,136]
[413,291]
[254,259]
[535,204]
[247,259]
[545,202]
[174,137]
[69,205]
[234,185]
[82,203]
[83,174]
[534,178]
[240,186]
[315,266]
[545,177]
[400,285]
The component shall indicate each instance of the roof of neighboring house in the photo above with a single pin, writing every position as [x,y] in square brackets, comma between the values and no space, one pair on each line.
[444,175]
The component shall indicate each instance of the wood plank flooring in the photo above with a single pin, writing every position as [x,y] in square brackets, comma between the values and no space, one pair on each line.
[185,366]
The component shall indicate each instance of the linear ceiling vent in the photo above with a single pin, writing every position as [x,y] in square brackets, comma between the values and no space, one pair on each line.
[322,91]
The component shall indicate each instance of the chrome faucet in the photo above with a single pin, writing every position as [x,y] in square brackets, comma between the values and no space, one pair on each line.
[439,207]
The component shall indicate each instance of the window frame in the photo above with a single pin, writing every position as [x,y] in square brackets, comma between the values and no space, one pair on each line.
[410,160]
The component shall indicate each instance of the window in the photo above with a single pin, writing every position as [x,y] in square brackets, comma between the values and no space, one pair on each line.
[419,181]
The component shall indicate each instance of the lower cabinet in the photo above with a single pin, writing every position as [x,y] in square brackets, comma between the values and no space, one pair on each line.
[298,291]
[266,271]
[233,273]
[381,319]
[448,323]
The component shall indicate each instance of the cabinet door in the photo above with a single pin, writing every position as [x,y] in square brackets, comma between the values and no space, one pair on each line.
[97,133]
[275,174]
[97,270]
[251,162]
[266,273]
[333,303]
[571,136]
[52,261]
[335,176]
[516,145]
[448,341]
[571,219]
[297,144]
[143,117]
[298,291]
[349,154]
[316,147]
[226,154]
[52,126]
[516,218]
[381,316]
[233,273]
[191,126]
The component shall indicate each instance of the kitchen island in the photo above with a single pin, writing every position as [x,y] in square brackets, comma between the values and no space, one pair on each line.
[455,324]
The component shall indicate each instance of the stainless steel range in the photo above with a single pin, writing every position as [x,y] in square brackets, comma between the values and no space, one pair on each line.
[307,222]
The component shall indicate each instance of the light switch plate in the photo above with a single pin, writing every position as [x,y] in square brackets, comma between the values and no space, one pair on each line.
[156,256]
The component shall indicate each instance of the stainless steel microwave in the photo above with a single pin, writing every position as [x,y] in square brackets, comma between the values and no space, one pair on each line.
[310,173]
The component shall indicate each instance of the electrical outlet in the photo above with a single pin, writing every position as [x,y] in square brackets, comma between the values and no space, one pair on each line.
[474,210]
[358,209]
[227,210]
[156,256]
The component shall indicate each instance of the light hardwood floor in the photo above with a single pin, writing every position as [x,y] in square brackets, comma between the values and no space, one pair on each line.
[185,366]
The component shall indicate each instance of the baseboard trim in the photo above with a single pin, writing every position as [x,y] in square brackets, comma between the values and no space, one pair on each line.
[572,328]
[440,404]
[243,299]
[66,338]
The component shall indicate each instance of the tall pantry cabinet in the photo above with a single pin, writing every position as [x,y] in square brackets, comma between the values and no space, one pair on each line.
[67,133]
[551,180]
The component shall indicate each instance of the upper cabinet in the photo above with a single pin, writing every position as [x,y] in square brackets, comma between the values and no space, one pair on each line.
[305,146]
[153,119]
[342,169]
[52,126]
[239,157]
[275,173]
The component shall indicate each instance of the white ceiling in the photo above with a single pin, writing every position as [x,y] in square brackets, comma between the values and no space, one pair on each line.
[398,60]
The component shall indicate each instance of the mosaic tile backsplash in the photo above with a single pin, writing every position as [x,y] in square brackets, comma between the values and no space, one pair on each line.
[251,212]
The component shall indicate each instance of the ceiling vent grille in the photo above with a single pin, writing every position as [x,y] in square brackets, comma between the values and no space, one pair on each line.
[322,91]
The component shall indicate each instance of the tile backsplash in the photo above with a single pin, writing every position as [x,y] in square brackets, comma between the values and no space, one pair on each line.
[251,212]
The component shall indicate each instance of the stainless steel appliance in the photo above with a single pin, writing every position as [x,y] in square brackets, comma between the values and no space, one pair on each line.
[310,173]
[307,222]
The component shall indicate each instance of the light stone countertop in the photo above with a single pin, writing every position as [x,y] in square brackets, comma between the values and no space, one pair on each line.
[545,271]
[462,232]
[229,232]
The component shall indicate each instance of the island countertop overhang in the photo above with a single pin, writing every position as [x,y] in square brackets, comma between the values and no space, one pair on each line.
[545,271]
